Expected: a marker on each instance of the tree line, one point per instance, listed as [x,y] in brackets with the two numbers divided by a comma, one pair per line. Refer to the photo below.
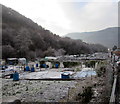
[21,37]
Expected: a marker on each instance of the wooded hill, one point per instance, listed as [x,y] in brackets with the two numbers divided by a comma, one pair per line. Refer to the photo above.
[21,37]
[107,37]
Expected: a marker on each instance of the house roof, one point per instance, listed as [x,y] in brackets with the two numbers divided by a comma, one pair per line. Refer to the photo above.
[117,52]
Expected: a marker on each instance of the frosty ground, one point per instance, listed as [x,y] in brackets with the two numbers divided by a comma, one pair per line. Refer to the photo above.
[46,91]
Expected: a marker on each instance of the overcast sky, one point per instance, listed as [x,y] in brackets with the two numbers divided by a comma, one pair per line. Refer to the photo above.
[66,16]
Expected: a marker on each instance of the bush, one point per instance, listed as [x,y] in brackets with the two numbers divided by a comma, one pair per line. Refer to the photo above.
[77,69]
[86,96]
[70,64]
[101,71]
[90,64]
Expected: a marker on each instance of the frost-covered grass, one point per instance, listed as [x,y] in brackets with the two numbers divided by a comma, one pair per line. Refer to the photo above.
[36,91]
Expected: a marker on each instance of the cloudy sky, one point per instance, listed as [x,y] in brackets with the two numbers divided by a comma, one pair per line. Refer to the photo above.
[66,16]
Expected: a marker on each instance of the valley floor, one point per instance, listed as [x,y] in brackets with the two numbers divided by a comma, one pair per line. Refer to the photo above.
[49,91]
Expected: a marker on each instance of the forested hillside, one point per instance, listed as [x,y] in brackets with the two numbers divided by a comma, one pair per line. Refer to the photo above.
[21,37]
[107,37]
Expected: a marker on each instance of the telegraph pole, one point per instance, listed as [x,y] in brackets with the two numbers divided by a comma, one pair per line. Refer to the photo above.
[118,25]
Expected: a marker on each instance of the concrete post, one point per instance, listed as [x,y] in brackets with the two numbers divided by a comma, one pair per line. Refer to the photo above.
[96,65]
[61,65]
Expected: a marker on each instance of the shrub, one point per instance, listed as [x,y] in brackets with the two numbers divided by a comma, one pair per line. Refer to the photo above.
[101,71]
[90,64]
[86,96]
[70,64]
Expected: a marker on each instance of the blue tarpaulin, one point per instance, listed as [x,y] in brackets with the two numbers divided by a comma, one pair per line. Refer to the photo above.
[65,75]
[56,65]
[27,68]
[32,69]
[16,76]
[36,65]
[44,66]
